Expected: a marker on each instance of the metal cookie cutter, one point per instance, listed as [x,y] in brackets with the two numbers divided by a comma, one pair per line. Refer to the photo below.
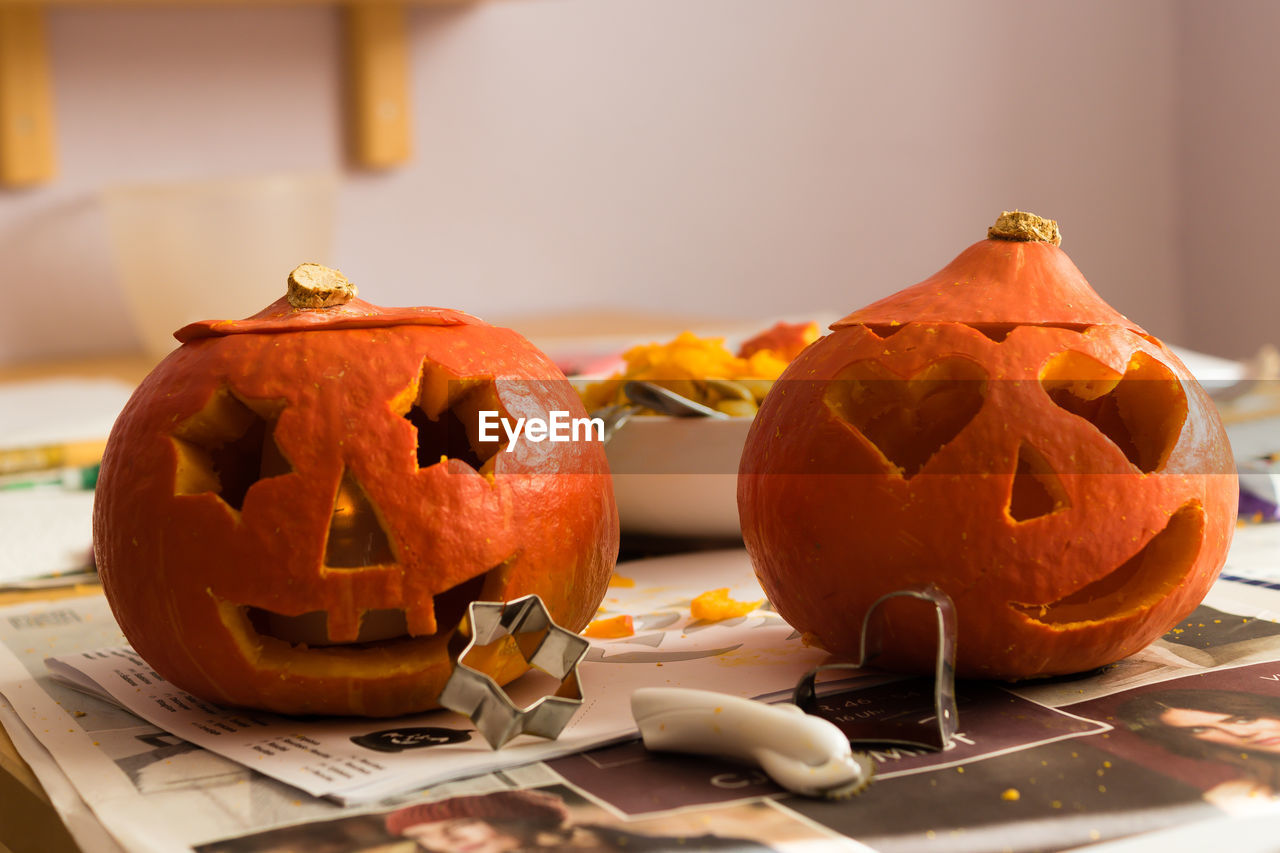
[526,624]
[944,687]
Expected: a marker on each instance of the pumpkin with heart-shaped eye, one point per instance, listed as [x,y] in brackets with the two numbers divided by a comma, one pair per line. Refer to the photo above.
[999,431]
[295,510]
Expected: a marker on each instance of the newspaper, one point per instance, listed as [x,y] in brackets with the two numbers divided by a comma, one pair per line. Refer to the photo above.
[124,766]
[1040,767]
[354,760]
[1049,765]
[125,771]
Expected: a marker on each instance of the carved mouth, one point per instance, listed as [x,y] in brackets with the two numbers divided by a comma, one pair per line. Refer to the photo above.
[302,644]
[357,661]
[1140,582]
[377,626]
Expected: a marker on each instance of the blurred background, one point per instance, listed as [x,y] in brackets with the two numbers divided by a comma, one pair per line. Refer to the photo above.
[713,159]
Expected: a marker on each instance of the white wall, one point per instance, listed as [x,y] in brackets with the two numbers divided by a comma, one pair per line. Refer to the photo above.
[721,157]
[1229,170]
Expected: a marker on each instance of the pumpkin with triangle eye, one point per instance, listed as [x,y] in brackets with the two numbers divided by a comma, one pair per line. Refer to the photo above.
[1000,431]
[296,509]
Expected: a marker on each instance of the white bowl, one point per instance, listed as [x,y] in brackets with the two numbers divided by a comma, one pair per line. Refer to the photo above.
[678,476]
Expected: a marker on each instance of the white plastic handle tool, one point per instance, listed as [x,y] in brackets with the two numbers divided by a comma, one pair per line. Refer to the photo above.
[801,752]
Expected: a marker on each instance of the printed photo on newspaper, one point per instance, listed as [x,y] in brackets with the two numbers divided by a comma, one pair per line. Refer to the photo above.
[551,817]
[1179,733]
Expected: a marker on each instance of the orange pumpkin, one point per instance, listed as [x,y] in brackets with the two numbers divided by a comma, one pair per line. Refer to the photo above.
[295,509]
[998,430]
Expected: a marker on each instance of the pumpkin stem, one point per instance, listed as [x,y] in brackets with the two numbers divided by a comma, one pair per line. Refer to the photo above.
[318,286]
[1020,226]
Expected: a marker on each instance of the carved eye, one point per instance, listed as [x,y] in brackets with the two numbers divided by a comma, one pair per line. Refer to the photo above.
[445,415]
[909,419]
[228,446]
[1141,411]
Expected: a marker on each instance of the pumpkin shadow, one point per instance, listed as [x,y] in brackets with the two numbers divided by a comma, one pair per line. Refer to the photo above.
[1061,679]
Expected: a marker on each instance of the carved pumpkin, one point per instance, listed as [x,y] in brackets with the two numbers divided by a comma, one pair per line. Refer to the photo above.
[1000,431]
[295,509]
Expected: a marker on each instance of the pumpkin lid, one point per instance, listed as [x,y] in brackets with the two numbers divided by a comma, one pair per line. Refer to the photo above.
[1017,276]
[322,298]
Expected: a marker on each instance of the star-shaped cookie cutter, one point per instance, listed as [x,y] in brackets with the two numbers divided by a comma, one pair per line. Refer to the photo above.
[543,644]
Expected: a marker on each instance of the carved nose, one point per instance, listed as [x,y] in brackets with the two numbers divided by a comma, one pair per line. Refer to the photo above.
[356,537]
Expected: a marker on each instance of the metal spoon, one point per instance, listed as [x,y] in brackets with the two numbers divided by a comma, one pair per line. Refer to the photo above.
[647,395]
[652,396]
[614,417]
